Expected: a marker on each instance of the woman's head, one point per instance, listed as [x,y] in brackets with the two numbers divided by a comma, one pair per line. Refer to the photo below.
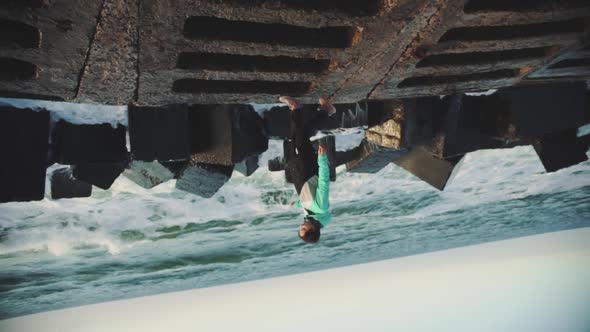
[309,231]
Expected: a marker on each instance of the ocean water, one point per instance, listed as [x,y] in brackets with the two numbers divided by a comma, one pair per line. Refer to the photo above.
[129,241]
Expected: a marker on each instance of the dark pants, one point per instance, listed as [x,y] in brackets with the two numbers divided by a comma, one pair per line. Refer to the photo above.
[302,162]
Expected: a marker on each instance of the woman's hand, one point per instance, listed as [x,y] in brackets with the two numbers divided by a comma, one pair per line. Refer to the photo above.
[321,150]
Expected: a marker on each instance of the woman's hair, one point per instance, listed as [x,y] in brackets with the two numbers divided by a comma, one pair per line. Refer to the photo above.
[312,234]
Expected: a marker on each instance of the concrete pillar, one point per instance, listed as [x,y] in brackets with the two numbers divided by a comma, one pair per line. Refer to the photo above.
[159,133]
[24,136]
[276,164]
[473,123]
[387,124]
[560,150]
[226,134]
[458,124]
[277,122]
[540,109]
[383,141]
[83,144]
[102,175]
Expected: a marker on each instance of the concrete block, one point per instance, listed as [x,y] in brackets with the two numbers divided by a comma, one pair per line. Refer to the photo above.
[65,185]
[561,150]
[159,133]
[147,174]
[24,136]
[430,169]
[176,167]
[204,179]
[248,166]
[488,116]
[211,136]
[424,118]
[540,109]
[277,122]
[379,111]
[472,123]
[226,134]
[387,129]
[249,137]
[83,144]
[372,158]
[101,175]
[459,124]
[277,164]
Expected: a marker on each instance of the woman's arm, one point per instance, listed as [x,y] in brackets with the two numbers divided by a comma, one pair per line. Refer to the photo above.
[322,198]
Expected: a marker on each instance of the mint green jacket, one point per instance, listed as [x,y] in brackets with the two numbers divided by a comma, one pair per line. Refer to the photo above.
[321,198]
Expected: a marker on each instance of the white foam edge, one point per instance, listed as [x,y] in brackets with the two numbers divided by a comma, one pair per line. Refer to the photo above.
[73,112]
[263,108]
[584,130]
[482,93]
[346,138]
